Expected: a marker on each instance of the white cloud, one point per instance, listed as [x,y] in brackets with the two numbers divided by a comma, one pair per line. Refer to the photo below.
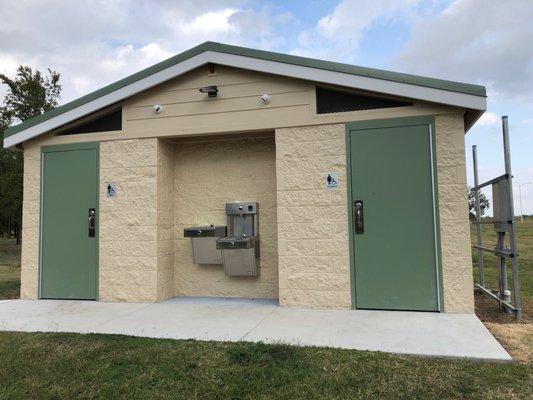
[476,41]
[117,61]
[8,64]
[488,43]
[152,51]
[489,120]
[523,177]
[97,42]
[80,83]
[337,35]
[211,22]
[129,58]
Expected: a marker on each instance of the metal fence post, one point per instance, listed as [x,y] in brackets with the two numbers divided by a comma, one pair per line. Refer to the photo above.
[478,219]
[512,223]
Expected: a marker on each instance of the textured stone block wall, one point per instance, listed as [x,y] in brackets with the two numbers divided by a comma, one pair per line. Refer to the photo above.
[129,222]
[164,187]
[29,274]
[314,266]
[207,176]
[453,207]
[165,220]
[314,258]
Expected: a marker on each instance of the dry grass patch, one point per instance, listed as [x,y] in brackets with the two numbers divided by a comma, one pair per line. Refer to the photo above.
[515,336]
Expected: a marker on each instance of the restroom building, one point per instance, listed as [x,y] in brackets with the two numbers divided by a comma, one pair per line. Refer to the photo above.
[356,178]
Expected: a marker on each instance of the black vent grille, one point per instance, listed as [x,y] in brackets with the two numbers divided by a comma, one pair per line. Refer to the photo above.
[335,101]
[109,122]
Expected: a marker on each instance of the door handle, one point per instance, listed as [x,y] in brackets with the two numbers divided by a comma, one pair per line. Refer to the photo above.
[359,217]
[92,222]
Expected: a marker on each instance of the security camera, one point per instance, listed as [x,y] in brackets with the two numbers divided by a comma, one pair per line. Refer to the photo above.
[211,91]
[158,108]
[265,98]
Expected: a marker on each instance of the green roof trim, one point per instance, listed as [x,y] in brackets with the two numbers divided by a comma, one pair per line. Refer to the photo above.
[434,83]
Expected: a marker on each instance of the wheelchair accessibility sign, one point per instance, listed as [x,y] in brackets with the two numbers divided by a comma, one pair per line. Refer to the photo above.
[332,180]
[111,190]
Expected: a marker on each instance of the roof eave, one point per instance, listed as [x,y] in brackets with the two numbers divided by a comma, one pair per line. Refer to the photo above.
[274,63]
[471,117]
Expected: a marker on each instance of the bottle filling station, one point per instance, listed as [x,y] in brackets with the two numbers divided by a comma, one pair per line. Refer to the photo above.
[236,246]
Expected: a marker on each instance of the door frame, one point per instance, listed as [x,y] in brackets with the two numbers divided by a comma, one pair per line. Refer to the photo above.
[71,147]
[428,121]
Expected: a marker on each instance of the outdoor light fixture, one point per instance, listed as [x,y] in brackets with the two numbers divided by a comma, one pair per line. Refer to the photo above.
[211,91]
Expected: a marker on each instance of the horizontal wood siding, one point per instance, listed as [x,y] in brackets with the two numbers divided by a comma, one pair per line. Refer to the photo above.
[237,104]
[236,109]
[231,91]
[220,105]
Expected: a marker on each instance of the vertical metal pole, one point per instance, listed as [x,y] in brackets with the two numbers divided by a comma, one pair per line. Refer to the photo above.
[512,224]
[478,219]
[504,287]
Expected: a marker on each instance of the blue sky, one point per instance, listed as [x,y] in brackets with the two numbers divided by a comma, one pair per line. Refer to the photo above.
[486,42]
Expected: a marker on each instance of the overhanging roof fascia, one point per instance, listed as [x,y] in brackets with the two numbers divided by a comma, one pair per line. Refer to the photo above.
[471,97]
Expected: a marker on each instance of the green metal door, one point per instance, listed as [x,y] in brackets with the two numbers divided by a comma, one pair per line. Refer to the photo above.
[69,245]
[395,239]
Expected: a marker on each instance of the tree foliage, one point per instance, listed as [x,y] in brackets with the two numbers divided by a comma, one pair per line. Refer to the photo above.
[484,204]
[28,95]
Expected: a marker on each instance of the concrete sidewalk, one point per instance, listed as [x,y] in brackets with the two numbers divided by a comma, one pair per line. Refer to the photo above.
[417,333]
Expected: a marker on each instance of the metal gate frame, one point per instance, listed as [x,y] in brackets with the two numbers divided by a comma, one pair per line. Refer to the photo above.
[504,296]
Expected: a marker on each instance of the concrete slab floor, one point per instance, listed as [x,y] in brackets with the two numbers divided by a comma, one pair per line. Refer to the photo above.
[415,333]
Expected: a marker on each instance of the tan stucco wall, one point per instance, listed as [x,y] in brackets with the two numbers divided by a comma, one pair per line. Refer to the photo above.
[136,227]
[128,223]
[29,273]
[163,187]
[207,176]
[165,220]
[453,206]
[167,185]
[312,221]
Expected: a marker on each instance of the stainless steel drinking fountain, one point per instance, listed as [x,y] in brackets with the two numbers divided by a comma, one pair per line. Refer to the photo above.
[204,247]
[240,249]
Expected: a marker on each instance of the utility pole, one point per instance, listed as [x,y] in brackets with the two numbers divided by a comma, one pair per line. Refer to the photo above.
[520,197]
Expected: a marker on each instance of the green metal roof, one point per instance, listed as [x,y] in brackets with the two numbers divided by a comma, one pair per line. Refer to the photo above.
[259,54]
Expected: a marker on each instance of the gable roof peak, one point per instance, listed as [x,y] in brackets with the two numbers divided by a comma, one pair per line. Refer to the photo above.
[412,86]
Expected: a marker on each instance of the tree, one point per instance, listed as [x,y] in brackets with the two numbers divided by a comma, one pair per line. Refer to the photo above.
[484,204]
[29,94]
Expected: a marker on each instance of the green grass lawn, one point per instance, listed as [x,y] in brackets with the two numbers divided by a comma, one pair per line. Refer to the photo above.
[72,366]
[68,366]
